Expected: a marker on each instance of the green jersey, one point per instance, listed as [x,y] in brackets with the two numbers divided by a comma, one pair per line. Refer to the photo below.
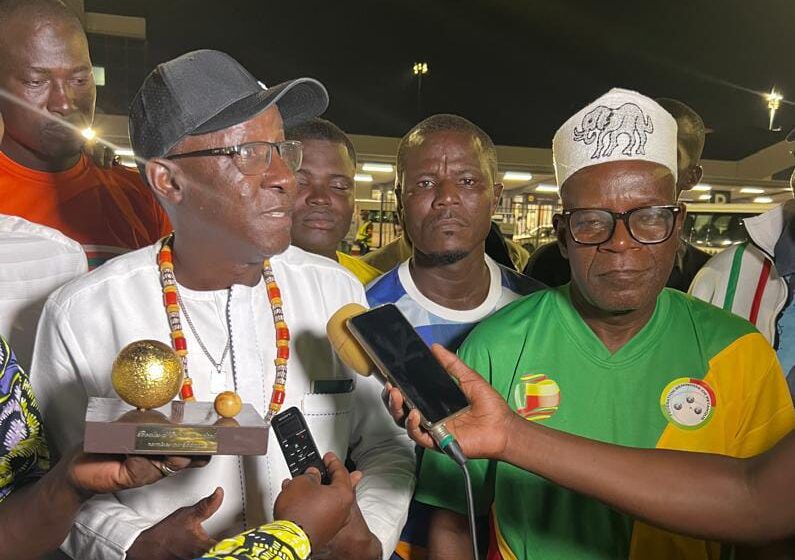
[694,378]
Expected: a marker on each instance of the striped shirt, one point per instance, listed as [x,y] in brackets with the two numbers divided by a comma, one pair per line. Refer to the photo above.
[438,324]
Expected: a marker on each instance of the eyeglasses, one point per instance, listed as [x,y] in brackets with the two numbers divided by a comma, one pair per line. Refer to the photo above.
[254,158]
[648,225]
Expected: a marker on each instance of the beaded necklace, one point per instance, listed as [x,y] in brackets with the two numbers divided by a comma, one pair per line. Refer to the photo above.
[171,298]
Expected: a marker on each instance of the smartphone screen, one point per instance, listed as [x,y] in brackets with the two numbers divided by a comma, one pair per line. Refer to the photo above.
[394,345]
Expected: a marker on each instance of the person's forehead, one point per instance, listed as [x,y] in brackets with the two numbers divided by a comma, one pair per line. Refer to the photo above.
[328,153]
[449,139]
[451,145]
[44,43]
[267,126]
[623,179]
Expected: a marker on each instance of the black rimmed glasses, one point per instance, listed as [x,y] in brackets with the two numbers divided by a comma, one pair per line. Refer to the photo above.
[254,158]
[648,225]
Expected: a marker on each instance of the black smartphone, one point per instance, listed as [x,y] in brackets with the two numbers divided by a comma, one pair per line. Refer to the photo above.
[297,444]
[406,362]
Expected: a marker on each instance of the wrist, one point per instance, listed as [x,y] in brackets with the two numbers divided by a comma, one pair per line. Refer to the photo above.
[365,546]
[59,491]
[372,545]
[515,428]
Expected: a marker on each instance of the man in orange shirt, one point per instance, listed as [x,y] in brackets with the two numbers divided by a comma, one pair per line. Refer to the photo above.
[47,96]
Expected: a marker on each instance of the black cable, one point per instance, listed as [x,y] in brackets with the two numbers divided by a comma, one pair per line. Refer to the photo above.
[453,450]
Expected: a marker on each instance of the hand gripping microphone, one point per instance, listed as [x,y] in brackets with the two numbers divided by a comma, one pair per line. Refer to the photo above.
[387,324]
[405,364]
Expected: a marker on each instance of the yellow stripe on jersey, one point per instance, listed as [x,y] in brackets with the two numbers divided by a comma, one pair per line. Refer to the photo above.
[505,551]
[751,413]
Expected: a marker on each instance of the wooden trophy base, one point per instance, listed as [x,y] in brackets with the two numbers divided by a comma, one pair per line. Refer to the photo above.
[178,428]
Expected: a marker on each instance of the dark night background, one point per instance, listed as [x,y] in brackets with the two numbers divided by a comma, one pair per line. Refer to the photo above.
[518,69]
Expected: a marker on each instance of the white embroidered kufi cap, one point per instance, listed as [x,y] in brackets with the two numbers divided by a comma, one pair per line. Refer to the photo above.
[622,125]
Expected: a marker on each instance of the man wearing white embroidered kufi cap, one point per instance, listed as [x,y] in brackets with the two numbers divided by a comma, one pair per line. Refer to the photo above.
[617,154]
[621,125]
[613,355]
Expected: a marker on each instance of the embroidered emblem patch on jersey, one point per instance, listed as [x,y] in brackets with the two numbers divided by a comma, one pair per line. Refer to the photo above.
[688,403]
[536,396]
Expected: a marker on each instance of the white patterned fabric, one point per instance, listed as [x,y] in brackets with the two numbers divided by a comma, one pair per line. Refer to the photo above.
[622,125]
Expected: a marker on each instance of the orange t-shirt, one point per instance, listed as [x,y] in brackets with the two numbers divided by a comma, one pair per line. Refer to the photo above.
[108,211]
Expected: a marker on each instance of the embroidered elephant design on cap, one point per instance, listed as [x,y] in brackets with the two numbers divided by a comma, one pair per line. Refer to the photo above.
[606,125]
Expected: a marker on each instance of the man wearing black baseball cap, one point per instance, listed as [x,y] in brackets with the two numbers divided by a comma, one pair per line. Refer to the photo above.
[247,313]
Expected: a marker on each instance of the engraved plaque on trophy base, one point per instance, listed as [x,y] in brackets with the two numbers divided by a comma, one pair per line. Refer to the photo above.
[179,428]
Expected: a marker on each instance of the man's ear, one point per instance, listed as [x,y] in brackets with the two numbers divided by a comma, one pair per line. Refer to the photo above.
[694,175]
[162,176]
[498,188]
[560,233]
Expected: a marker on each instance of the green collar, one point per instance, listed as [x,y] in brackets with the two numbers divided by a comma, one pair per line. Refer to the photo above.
[591,346]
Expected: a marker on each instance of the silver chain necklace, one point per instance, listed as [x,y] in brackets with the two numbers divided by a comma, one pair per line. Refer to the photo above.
[220,363]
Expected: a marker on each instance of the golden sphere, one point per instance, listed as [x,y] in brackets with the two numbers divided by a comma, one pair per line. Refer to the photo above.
[228,404]
[147,374]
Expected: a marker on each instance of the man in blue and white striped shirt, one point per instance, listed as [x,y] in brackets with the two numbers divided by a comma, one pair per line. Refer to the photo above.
[447,189]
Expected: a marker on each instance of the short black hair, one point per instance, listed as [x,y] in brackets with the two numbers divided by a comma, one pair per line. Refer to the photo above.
[690,127]
[446,123]
[321,129]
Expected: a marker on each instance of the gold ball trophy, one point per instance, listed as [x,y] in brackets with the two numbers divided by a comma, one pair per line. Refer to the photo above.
[147,376]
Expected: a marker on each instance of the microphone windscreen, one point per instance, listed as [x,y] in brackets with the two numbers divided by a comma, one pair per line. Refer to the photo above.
[347,347]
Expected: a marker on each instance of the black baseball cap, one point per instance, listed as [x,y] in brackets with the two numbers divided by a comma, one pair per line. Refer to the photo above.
[206,90]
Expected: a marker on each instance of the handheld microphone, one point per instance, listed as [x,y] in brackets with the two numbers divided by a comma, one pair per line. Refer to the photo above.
[348,348]
[353,355]
[382,340]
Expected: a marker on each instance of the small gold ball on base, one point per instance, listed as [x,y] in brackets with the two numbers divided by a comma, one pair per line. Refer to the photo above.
[228,404]
[147,374]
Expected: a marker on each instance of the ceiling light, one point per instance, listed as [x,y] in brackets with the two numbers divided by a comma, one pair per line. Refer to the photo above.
[702,188]
[363,178]
[547,188]
[774,99]
[378,167]
[124,152]
[517,176]
[763,200]
[752,190]
[705,197]
[88,133]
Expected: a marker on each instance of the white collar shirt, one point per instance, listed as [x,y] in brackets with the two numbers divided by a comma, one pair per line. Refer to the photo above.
[86,323]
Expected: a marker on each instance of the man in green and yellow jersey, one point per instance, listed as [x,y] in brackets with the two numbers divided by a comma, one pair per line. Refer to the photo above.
[613,355]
